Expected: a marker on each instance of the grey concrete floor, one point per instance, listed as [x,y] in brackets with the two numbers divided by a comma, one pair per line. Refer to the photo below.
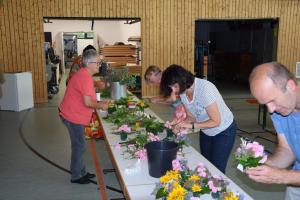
[24,175]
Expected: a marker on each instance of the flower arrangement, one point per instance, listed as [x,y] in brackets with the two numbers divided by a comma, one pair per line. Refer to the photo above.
[135,147]
[142,105]
[145,126]
[181,137]
[123,131]
[153,126]
[121,75]
[187,184]
[249,154]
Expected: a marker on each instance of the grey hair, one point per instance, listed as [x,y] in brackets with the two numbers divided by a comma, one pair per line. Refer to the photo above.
[87,56]
[280,75]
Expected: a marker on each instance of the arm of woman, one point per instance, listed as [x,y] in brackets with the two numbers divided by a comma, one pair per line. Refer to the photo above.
[94,104]
[214,119]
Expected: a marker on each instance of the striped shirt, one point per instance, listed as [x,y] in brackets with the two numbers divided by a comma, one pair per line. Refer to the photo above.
[206,93]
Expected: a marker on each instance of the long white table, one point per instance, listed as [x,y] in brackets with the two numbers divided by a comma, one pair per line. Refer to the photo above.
[138,185]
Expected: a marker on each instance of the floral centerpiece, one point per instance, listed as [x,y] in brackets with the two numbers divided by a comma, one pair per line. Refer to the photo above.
[189,184]
[180,137]
[135,147]
[119,80]
[123,131]
[249,154]
[121,75]
[152,125]
[142,105]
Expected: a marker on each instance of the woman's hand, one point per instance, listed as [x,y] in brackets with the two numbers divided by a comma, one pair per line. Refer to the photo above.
[185,124]
[103,105]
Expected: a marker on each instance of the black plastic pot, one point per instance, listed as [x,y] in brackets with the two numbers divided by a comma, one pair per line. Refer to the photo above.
[160,156]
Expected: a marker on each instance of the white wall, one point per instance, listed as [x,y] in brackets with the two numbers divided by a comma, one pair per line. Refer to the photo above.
[108,30]
[105,32]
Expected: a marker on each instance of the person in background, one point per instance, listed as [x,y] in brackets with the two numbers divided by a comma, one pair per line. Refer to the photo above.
[152,76]
[76,111]
[77,64]
[275,86]
[206,111]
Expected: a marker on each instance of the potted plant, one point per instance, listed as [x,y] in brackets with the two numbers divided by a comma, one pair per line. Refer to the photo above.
[119,80]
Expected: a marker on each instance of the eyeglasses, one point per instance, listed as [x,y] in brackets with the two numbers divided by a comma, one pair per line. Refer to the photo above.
[98,63]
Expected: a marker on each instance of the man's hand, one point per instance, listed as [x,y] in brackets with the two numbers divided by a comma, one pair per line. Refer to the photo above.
[266,174]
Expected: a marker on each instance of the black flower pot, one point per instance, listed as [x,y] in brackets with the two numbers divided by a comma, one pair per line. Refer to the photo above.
[160,155]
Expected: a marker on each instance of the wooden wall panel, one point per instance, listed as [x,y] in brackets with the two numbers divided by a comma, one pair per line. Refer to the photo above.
[167,28]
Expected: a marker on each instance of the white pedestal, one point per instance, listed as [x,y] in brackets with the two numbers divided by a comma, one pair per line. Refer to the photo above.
[17,91]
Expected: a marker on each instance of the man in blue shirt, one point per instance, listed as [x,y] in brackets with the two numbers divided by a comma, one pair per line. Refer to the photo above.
[275,86]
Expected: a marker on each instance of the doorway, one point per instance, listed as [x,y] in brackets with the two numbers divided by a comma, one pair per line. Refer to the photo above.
[69,36]
[227,50]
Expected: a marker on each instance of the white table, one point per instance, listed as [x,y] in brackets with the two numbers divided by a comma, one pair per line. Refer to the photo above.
[139,184]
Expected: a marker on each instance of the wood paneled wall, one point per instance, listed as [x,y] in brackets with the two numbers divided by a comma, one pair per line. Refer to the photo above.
[167,29]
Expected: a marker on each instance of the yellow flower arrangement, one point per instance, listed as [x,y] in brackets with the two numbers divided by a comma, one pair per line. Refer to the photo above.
[231,196]
[183,183]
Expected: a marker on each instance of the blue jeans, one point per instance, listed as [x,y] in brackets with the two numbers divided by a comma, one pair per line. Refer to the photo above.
[217,148]
[78,145]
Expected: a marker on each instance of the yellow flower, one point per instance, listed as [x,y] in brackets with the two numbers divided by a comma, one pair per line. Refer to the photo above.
[194,178]
[177,193]
[110,104]
[196,188]
[164,179]
[170,175]
[142,103]
[176,185]
[231,196]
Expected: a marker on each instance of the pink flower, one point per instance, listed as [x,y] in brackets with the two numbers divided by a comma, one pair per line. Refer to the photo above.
[117,146]
[131,147]
[255,148]
[238,151]
[141,154]
[153,137]
[218,177]
[212,187]
[201,170]
[180,114]
[264,159]
[124,128]
[168,125]
[176,165]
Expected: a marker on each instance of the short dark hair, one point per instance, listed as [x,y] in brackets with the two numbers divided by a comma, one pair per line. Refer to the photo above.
[88,47]
[175,74]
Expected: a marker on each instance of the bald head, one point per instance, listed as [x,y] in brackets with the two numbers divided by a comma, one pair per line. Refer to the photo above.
[274,71]
[273,85]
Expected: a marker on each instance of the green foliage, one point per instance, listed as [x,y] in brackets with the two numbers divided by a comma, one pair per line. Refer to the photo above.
[153,126]
[160,193]
[121,75]
[105,93]
[129,80]
[122,101]
[249,161]
[121,116]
